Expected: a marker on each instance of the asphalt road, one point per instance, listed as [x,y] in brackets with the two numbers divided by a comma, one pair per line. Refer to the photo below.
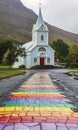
[68,85]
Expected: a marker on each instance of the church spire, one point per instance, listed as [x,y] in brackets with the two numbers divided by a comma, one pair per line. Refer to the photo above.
[40,20]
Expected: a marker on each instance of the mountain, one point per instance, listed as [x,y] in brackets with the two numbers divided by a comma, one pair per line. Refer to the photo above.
[16,23]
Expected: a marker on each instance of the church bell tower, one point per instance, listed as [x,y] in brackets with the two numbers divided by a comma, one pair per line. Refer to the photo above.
[40,31]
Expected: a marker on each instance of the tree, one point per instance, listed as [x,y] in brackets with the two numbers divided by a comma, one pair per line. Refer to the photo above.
[4,46]
[11,55]
[72,58]
[21,51]
[61,49]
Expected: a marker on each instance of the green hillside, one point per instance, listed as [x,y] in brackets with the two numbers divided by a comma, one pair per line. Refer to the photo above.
[16,23]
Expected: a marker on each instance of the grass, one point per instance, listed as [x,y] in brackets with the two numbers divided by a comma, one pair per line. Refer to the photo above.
[74,69]
[5,67]
[10,73]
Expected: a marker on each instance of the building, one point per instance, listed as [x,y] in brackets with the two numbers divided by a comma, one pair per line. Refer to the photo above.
[38,52]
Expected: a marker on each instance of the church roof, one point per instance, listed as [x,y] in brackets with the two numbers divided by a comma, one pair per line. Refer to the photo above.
[29,46]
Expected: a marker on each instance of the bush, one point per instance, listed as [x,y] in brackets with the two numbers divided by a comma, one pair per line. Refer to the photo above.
[74,65]
[22,67]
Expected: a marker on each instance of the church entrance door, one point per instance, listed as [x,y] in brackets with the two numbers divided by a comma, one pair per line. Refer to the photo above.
[41,61]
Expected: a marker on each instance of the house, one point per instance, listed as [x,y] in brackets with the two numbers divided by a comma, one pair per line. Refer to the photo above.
[38,51]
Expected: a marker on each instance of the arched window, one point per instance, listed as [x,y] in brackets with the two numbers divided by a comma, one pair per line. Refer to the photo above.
[42,55]
[41,49]
[35,59]
[48,60]
[42,37]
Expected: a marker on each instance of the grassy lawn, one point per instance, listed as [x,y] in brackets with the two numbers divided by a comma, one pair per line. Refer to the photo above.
[5,67]
[74,69]
[5,73]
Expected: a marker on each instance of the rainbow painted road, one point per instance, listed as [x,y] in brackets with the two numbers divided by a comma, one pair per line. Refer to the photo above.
[38,100]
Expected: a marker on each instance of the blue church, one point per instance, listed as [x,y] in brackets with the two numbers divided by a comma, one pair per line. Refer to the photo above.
[38,51]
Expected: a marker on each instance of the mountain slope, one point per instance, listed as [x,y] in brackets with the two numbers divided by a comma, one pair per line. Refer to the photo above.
[16,23]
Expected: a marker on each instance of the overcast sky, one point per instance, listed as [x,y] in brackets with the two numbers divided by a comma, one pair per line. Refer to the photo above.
[60,13]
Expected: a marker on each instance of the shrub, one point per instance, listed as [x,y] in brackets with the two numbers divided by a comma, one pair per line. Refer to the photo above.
[22,67]
[74,65]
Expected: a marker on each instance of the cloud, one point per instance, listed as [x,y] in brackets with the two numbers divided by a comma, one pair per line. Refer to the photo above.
[59,13]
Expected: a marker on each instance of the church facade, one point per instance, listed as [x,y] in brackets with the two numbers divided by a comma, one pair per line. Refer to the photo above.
[38,52]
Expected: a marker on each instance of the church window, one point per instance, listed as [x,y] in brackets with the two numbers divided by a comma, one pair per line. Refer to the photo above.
[48,60]
[41,49]
[35,59]
[42,37]
[42,55]
[42,28]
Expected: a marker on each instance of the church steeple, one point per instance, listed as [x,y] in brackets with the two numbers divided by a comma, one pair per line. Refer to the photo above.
[40,31]
[40,20]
